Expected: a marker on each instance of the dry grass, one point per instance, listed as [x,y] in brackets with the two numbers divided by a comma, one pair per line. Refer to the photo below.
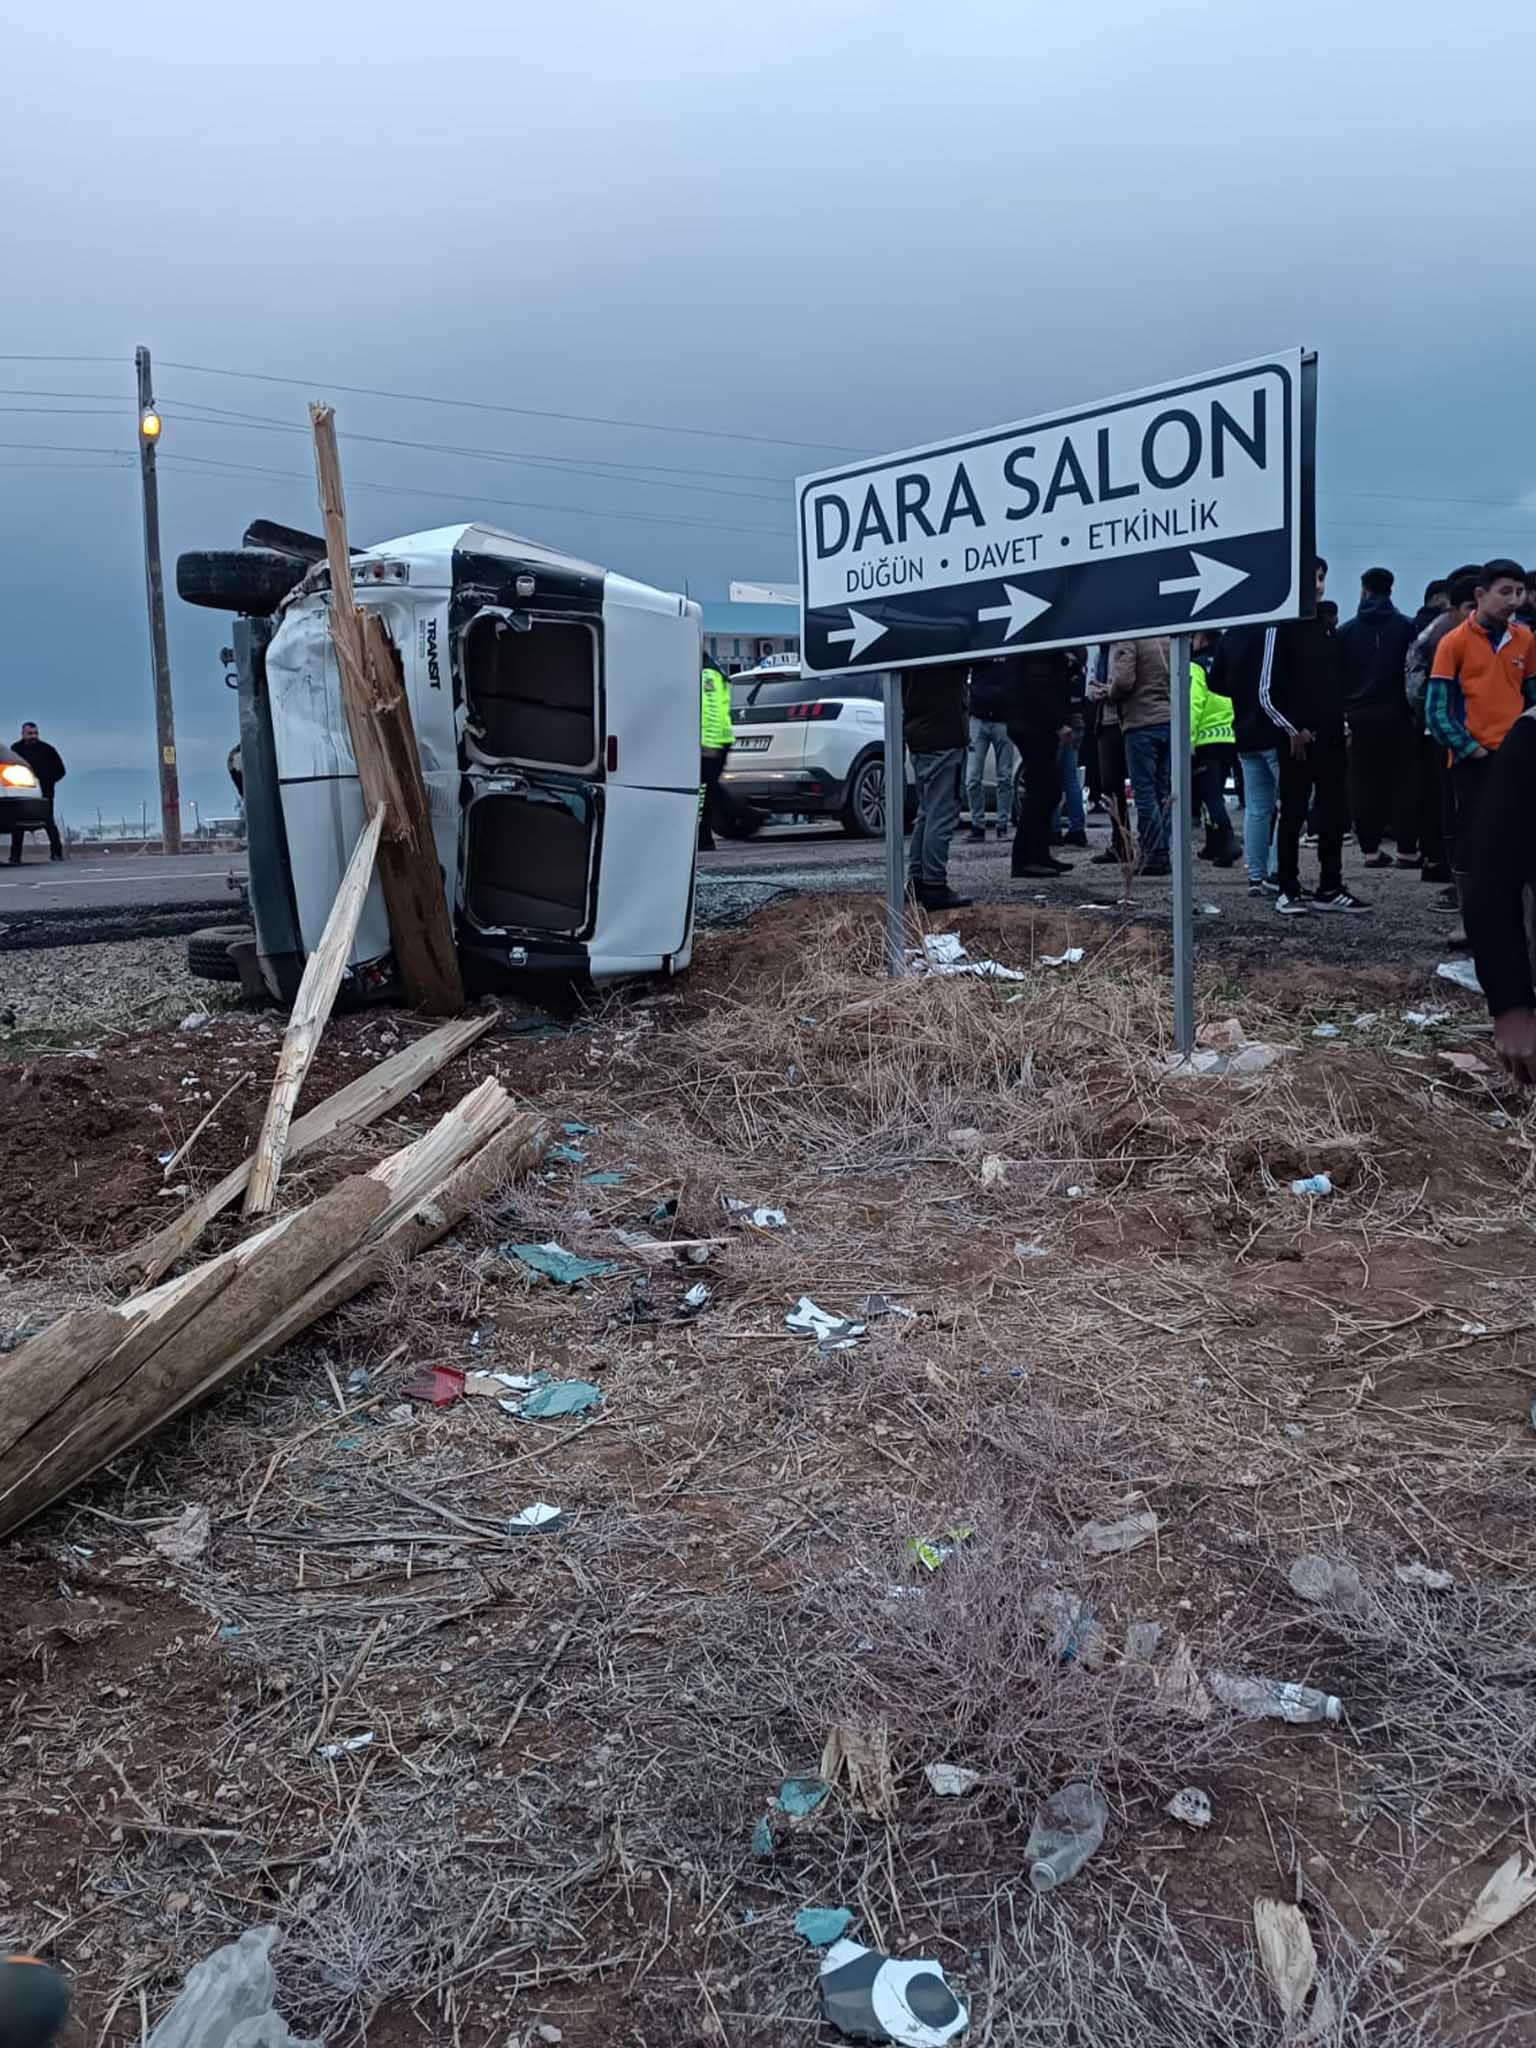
[574,1735]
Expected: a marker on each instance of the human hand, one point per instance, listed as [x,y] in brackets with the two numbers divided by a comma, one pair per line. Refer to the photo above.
[1514,1039]
[1478,754]
[1300,741]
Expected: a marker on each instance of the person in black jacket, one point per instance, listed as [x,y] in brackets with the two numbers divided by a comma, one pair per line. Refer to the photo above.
[1498,873]
[934,710]
[47,764]
[1039,714]
[1304,696]
[1383,764]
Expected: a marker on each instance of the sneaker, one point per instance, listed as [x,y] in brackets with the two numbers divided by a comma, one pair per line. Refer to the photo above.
[1263,888]
[1339,899]
[1291,906]
[1107,859]
[1434,871]
[1038,871]
[1005,831]
[1377,860]
[1076,839]
[976,834]
[1158,867]
[943,899]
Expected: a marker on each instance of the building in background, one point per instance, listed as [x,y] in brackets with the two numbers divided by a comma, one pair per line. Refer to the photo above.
[745,629]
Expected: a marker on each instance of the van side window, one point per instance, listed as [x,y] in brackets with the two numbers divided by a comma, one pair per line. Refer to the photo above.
[532,694]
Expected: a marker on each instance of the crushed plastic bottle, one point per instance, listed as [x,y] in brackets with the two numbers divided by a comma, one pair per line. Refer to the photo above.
[1067,1830]
[1271,1699]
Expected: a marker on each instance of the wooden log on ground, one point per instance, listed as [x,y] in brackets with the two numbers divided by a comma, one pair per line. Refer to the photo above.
[311,1006]
[351,1108]
[79,1394]
[384,748]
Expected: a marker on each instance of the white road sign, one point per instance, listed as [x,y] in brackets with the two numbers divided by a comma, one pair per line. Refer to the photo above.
[1184,506]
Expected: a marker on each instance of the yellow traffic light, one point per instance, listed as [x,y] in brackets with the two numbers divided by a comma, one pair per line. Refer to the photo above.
[149,426]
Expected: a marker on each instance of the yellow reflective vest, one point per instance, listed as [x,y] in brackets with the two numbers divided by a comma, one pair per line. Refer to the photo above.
[1210,715]
[714,709]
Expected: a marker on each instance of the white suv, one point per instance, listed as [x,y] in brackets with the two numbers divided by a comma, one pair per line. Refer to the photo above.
[809,748]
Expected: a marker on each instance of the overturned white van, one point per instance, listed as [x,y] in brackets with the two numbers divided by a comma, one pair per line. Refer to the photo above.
[556,711]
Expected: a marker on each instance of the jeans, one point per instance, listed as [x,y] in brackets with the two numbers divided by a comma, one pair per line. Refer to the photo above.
[1261,785]
[1071,812]
[1149,756]
[1040,754]
[985,733]
[938,811]
[1321,772]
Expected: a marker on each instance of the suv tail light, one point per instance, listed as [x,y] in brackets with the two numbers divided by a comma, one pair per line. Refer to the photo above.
[817,710]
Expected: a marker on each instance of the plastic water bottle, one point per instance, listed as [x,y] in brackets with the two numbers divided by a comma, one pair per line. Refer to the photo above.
[1269,1699]
[1069,1827]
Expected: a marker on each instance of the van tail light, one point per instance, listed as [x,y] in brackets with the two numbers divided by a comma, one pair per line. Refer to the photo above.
[613,753]
[816,710]
[13,775]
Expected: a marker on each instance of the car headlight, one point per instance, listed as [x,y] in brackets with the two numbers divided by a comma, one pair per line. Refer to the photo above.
[16,775]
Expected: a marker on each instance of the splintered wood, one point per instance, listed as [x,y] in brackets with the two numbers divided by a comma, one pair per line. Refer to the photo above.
[98,1380]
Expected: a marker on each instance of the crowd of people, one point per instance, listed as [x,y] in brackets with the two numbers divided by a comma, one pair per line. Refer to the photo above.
[1384,725]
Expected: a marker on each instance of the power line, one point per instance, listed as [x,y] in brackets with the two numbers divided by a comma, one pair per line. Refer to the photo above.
[226,468]
[522,411]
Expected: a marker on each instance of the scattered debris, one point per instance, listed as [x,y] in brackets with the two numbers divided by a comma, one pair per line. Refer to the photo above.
[1463,973]
[1316,1579]
[1068,1829]
[757,1218]
[1423,1576]
[230,1996]
[1072,957]
[832,1333]
[1327,1030]
[694,1302]
[994,1170]
[1313,1184]
[874,1305]
[559,1397]
[346,1746]
[762,1837]
[1023,1248]
[800,1797]
[931,1554]
[184,1540]
[1191,1806]
[1465,1062]
[576,1129]
[1290,1963]
[942,953]
[1272,1699]
[1223,1049]
[863,1760]
[822,1925]
[1425,1020]
[1508,1892]
[494,1386]
[951,1781]
[540,1516]
[1075,1635]
[1210,910]
[1108,1539]
[1366,1021]
[437,1386]
[611,1177]
[868,1996]
[1141,1641]
[553,1262]
[1179,1689]
[567,1155]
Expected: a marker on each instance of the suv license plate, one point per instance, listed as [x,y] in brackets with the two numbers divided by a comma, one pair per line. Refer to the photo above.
[759,743]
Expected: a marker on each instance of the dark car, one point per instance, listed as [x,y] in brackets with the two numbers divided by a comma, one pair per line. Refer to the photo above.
[23,808]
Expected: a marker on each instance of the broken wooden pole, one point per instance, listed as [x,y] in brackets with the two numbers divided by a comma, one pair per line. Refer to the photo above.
[378,717]
[311,1006]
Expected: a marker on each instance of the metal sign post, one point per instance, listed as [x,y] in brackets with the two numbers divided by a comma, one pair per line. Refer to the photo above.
[895,829]
[1180,823]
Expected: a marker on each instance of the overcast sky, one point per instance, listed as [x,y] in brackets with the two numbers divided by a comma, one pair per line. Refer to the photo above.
[831,224]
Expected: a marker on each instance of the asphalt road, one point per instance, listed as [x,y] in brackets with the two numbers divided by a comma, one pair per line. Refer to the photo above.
[116,880]
[1406,924]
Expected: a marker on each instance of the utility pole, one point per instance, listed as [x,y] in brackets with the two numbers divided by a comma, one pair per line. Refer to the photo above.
[154,585]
